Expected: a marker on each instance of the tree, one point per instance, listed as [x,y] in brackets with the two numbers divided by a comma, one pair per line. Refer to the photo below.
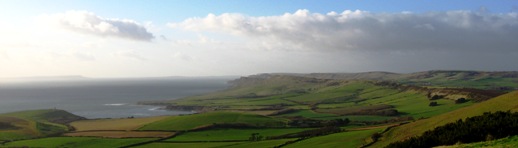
[255,137]
[460,100]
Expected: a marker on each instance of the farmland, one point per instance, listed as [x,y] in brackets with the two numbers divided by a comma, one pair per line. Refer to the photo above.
[233,134]
[178,123]
[273,110]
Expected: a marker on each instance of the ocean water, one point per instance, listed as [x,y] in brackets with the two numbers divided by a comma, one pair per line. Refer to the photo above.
[104,98]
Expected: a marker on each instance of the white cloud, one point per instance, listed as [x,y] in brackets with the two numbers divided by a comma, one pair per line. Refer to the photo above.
[365,31]
[89,23]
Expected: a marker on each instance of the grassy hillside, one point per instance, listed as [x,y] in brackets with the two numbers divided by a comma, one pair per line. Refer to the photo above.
[76,142]
[505,80]
[471,79]
[500,143]
[501,103]
[179,123]
[47,115]
[35,123]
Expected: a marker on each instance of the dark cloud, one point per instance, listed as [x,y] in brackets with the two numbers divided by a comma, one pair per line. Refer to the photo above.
[366,31]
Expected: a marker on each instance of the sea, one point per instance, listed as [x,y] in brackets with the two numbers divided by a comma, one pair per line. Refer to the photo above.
[104,98]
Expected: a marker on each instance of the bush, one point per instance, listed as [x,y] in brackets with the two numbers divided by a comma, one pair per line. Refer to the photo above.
[433,104]
[435,97]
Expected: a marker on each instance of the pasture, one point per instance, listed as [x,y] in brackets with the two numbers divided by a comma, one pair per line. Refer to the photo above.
[188,122]
[233,134]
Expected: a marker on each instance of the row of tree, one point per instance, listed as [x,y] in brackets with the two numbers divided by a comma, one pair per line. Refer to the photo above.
[488,126]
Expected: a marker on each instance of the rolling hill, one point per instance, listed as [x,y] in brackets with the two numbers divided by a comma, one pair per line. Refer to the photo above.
[505,102]
[286,109]
[504,80]
[272,94]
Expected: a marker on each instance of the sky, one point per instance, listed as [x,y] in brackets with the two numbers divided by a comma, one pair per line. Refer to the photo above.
[130,38]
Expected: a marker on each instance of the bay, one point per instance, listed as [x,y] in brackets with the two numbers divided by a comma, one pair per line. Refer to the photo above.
[104,98]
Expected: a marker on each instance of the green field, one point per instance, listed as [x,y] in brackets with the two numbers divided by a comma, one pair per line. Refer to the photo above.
[76,142]
[333,94]
[345,139]
[233,134]
[178,123]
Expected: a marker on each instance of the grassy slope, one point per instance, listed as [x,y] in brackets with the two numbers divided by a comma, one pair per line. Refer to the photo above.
[24,128]
[440,78]
[188,122]
[275,85]
[35,123]
[332,94]
[471,79]
[502,103]
[76,142]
